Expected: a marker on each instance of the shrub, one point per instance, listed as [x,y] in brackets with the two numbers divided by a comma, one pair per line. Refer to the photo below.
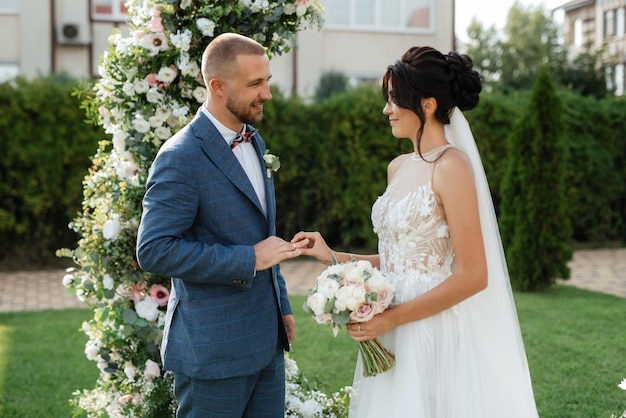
[331,82]
[534,223]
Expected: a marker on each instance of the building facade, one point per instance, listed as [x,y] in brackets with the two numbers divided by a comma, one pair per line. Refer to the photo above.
[599,23]
[359,38]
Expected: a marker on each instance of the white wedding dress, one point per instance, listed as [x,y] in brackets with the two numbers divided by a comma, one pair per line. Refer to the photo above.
[462,362]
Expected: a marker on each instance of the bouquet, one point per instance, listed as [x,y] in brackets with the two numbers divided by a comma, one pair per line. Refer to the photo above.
[353,292]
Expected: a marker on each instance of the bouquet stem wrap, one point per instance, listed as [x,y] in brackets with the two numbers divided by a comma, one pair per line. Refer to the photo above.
[376,358]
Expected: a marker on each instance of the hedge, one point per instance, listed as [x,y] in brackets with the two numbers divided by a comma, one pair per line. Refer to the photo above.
[334,156]
[45,151]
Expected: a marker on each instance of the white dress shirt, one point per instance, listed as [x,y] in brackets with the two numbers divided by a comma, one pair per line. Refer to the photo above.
[246,155]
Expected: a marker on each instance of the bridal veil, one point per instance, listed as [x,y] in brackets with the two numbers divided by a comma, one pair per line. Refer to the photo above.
[499,332]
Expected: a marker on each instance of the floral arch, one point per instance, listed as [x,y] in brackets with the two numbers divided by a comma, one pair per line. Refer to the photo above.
[150,87]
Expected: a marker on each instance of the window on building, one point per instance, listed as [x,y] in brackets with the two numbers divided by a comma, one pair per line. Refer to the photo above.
[8,70]
[578,32]
[9,6]
[608,77]
[357,80]
[619,80]
[109,10]
[619,22]
[609,26]
[381,15]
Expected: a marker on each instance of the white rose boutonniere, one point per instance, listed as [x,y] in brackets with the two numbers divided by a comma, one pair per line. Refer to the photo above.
[272,163]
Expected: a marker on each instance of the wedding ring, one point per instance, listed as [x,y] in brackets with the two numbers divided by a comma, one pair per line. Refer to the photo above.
[295,247]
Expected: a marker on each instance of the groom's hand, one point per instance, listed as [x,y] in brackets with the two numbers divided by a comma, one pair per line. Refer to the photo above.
[290,327]
[273,250]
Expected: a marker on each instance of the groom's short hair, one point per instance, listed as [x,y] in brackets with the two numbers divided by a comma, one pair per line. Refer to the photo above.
[219,59]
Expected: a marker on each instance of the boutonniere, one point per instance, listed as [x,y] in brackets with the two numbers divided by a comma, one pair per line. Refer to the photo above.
[272,163]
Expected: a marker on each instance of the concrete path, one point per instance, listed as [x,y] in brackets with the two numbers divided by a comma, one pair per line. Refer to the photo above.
[597,270]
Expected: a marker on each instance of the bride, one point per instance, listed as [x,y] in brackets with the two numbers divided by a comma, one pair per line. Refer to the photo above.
[453,327]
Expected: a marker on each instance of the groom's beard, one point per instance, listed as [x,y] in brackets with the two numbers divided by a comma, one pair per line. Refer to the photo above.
[245,112]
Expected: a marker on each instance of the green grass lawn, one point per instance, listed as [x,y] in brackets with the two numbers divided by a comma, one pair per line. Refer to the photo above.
[575,341]
[576,346]
[42,362]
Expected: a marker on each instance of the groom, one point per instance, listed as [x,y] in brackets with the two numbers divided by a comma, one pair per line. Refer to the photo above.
[209,223]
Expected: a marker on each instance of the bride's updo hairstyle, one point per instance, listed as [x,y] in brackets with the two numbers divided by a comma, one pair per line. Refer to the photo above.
[423,72]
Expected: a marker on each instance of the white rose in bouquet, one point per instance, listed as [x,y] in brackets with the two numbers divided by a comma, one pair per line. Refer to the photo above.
[317,303]
[328,288]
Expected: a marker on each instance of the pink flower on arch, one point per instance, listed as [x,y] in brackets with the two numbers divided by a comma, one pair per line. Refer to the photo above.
[155,24]
[152,79]
[152,370]
[302,6]
[159,294]
[135,291]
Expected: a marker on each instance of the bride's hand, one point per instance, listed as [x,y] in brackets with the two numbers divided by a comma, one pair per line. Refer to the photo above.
[363,331]
[316,246]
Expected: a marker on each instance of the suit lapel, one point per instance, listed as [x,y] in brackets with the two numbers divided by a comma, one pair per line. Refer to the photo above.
[216,149]
[270,203]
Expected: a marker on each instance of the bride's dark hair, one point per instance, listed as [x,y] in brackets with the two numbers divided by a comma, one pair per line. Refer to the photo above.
[424,72]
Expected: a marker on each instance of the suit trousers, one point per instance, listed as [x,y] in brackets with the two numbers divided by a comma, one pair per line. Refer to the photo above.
[258,395]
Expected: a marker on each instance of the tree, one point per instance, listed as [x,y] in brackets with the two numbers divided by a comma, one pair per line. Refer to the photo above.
[150,87]
[331,82]
[534,223]
[485,48]
[531,40]
[586,73]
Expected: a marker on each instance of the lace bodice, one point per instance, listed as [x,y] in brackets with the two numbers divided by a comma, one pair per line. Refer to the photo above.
[413,239]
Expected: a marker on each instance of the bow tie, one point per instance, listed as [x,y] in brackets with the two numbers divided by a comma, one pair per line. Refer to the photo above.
[244,137]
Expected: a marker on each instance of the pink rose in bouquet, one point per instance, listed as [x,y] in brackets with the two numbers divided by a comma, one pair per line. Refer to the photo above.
[364,312]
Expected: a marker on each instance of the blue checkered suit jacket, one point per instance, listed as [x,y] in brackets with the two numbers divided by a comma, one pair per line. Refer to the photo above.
[201,218]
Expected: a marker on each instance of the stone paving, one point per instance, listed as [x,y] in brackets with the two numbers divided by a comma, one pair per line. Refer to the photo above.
[597,270]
